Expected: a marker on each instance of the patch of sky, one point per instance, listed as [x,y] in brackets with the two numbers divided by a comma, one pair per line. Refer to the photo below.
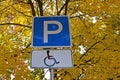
[82,49]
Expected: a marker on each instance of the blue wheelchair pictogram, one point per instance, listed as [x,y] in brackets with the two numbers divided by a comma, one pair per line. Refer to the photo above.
[49,60]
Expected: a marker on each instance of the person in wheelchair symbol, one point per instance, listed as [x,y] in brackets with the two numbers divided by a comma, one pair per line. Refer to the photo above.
[50,60]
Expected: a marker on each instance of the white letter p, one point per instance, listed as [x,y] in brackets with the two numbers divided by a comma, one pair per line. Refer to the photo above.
[46,32]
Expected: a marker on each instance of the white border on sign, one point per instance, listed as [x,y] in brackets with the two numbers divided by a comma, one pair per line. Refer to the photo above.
[51,46]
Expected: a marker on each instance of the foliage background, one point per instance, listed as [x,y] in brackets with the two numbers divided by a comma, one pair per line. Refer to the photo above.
[95,31]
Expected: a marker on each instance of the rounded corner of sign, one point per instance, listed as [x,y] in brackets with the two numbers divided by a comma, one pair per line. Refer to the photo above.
[32,44]
[71,66]
[31,67]
[32,51]
[35,17]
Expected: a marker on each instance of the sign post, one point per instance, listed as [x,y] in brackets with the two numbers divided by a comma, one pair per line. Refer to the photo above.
[51,32]
[51,74]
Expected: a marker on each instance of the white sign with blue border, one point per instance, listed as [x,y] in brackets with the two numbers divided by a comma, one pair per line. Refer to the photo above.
[52,31]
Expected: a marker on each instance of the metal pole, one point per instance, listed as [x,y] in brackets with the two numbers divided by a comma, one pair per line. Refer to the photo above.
[51,74]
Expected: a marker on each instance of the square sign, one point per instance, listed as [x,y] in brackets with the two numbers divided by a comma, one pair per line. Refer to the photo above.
[51,32]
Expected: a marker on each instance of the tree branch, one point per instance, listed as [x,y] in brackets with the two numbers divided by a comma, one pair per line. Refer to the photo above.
[16,24]
[32,8]
[92,46]
[81,19]
[58,13]
[20,11]
[57,6]
[90,49]
[40,5]
[66,7]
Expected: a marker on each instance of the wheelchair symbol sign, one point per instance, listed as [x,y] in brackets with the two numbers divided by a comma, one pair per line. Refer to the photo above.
[51,59]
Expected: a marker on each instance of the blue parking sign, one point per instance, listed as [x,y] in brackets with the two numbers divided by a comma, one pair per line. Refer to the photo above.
[51,32]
